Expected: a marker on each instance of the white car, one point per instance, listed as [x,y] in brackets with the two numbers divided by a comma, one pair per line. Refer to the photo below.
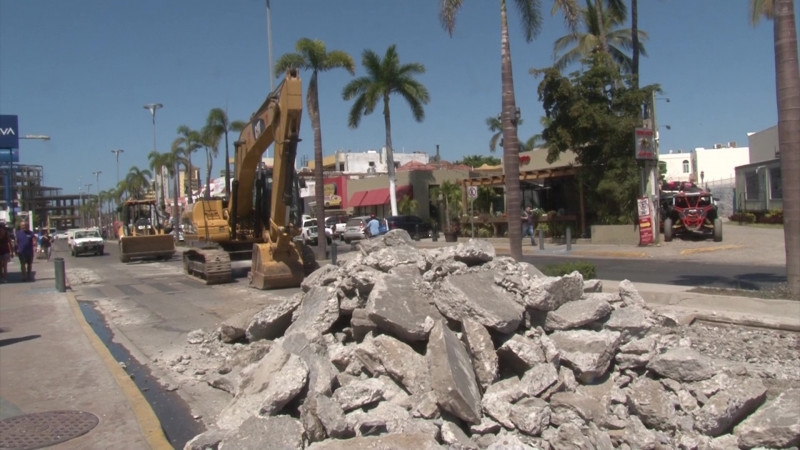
[86,241]
[309,233]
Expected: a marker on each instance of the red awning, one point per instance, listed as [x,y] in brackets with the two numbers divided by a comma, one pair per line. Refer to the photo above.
[379,196]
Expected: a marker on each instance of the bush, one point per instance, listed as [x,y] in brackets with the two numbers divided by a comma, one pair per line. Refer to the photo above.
[586,269]
[744,217]
[775,216]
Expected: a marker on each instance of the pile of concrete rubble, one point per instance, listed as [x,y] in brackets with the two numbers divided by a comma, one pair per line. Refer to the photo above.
[397,347]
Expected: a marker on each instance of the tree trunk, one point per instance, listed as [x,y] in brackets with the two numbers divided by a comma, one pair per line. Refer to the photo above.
[175,211]
[787,81]
[601,26]
[635,40]
[189,171]
[209,163]
[510,143]
[312,100]
[390,155]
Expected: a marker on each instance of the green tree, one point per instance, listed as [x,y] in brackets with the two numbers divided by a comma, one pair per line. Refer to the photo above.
[531,24]
[407,205]
[312,55]
[218,125]
[576,46]
[479,160]
[190,142]
[159,161]
[386,77]
[450,194]
[594,114]
[176,158]
[209,139]
[787,87]
[137,182]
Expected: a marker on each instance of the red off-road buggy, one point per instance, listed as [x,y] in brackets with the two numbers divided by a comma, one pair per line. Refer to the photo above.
[688,210]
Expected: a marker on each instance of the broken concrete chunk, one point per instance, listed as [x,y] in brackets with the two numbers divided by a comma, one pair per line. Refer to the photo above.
[682,364]
[452,376]
[547,294]
[588,353]
[398,306]
[272,321]
[774,425]
[266,432]
[359,393]
[577,313]
[481,348]
[476,296]
[727,408]
[648,400]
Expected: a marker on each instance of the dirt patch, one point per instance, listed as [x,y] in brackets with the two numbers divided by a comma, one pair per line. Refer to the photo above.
[779,292]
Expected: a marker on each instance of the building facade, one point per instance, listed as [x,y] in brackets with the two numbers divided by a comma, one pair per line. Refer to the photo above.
[758,183]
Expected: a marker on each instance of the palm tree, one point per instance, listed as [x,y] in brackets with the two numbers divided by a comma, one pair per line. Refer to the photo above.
[176,159]
[190,141]
[787,86]
[209,139]
[217,123]
[137,181]
[407,205]
[576,46]
[531,23]
[158,162]
[385,77]
[635,42]
[312,55]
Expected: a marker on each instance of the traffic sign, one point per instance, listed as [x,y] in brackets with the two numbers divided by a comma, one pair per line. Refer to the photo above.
[472,192]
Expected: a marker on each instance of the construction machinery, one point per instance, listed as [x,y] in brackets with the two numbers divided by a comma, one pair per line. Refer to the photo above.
[263,214]
[141,234]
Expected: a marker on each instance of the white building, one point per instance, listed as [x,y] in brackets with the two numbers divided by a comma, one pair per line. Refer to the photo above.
[373,161]
[758,183]
[679,165]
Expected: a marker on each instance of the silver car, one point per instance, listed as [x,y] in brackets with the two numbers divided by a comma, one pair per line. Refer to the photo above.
[354,231]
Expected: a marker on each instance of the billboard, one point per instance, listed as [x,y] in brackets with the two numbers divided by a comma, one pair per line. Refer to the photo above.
[9,155]
[9,131]
[645,144]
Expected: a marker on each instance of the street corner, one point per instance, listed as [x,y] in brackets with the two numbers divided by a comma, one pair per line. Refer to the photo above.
[716,248]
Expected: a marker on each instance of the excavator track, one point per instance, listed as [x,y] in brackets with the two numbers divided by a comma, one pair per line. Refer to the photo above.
[213,266]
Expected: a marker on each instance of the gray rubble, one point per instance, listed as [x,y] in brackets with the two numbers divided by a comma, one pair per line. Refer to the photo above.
[397,347]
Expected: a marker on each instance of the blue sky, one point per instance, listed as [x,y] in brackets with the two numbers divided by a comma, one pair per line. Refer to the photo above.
[81,71]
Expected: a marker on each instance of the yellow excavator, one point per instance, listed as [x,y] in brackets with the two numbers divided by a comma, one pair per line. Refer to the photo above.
[262,216]
[141,236]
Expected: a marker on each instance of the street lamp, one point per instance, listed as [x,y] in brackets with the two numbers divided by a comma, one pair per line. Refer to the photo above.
[152,107]
[116,153]
[88,194]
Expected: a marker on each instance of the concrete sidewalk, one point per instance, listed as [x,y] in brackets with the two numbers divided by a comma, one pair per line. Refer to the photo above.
[51,360]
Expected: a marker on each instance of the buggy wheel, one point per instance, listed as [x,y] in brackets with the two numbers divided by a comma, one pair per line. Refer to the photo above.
[667,229]
[717,230]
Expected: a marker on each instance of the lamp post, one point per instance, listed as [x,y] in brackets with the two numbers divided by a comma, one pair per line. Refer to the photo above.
[88,194]
[116,153]
[152,107]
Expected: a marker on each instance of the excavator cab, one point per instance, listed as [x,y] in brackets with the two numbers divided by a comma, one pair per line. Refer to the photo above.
[141,235]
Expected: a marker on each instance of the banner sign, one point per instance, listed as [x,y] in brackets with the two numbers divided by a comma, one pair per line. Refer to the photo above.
[645,144]
[645,221]
[8,155]
[9,131]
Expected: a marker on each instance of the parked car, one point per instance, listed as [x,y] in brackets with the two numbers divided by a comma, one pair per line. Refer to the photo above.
[414,225]
[309,232]
[337,225]
[354,230]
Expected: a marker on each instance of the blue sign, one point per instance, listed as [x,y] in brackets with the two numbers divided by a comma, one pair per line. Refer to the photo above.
[9,155]
[9,132]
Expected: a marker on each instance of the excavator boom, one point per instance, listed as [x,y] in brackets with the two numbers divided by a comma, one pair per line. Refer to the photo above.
[256,219]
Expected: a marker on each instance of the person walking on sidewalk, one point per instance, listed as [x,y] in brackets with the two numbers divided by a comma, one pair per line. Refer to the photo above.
[46,243]
[5,252]
[26,241]
[529,224]
[373,226]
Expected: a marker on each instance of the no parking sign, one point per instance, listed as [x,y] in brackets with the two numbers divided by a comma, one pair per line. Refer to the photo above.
[472,192]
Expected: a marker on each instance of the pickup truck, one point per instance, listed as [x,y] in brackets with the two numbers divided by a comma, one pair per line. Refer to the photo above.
[86,240]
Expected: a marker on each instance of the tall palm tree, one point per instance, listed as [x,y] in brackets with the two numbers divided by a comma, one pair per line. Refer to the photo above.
[600,24]
[787,87]
[190,140]
[635,42]
[176,158]
[312,55]
[209,139]
[531,24]
[137,181]
[385,77]
[217,122]
[158,162]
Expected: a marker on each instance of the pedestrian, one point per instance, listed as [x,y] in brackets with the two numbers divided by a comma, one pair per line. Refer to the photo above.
[46,243]
[5,252]
[26,241]
[373,226]
[529,224]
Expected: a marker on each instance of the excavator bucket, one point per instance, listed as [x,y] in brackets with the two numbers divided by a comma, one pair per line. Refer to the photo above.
[161,246]
[276,266]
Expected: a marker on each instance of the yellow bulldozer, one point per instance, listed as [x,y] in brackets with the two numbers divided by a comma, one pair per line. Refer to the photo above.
[141,235]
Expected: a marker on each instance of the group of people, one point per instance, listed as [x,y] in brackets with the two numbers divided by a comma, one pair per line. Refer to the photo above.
[24,243]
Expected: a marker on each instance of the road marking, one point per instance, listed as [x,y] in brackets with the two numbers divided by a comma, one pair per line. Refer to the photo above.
[690,251]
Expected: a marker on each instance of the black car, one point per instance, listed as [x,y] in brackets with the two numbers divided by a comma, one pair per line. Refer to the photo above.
[415,226]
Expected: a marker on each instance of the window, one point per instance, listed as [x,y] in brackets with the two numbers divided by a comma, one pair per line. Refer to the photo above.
[775,186]
[685,166]
[751,186]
